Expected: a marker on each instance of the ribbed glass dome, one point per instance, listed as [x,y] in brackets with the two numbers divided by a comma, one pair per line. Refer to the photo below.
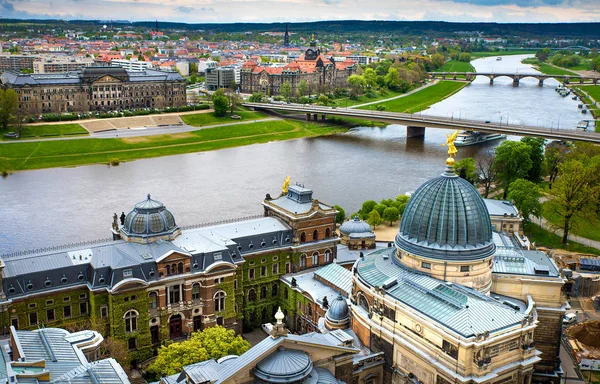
[149,218]
[338,312]
[284,366]
[447,219]
[355,225]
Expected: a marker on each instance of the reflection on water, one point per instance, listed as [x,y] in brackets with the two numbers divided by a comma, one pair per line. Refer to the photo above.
[56,206]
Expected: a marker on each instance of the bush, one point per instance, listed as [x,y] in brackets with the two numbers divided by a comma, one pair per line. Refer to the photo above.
[115,161]
[57,117]
[380,107]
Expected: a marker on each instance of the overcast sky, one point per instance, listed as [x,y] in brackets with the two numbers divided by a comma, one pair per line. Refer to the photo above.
[198,11]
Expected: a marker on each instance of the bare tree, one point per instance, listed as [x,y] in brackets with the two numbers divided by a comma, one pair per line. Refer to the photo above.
[487,171]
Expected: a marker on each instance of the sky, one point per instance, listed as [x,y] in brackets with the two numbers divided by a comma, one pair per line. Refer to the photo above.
[225,11]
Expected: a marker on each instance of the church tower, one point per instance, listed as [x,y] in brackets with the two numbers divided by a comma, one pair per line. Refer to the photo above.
[286,37]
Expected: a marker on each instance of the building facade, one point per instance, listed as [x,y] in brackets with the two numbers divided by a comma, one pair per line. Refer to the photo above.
[95,89]
[320,73]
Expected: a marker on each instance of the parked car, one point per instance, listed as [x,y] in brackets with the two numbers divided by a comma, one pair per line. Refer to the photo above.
[11,135]
[570,318]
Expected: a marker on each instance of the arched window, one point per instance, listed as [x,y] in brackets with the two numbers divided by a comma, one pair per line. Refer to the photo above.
[180,268]
[274,290]
[153,300]
[315,235]
[168,270]
[219,301]
[302,237]
[263,293]
[315,258]
[196,291]
[251,295]
[131,318]
[362,301]
[174,268]
[327,233]
[303,261]
[327,256]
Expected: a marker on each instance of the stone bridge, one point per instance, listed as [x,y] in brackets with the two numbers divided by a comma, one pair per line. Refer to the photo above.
[516,77]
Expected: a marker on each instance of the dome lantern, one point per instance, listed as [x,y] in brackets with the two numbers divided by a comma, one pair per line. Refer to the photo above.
[149,221]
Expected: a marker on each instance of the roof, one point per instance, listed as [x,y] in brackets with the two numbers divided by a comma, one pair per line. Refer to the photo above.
[451,306]
[356,226]
[500,208]
[509,259]
[337,276]
[308,284]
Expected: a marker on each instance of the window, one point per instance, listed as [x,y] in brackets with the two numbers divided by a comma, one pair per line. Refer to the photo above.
[103,312]
[263,271]
[274,290]
[66,299]
[263,293]
[275,269]
[425,265]
[50,315]
[82,296]
[327,256]
[252,295]
[251,273]
[219,301]
[303,261]
[288,267]
[315,235]
[180,268]
[464,268]
[235,285]
[196,291]
[32,305]
[14,321]
[450,349]
[83,308]
[303,237]
[174,294]
[327,233]
[33,318]
[127,272]
[132,343]
[67,311]
[315,258]
[49,302]
[131,318]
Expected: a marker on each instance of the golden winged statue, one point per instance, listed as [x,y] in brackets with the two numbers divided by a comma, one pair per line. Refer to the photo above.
[450,138]
[286,184]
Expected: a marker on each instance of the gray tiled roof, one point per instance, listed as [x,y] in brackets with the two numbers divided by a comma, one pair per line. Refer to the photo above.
[500,207]
[336,275]
[463,310]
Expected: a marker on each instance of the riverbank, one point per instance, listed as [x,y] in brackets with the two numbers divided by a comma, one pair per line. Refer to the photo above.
[456,66]
[514,52]
[547,69]
[48,154]
[422,99]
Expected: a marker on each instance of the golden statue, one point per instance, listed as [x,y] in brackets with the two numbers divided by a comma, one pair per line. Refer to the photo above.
[450,138]
[286,184]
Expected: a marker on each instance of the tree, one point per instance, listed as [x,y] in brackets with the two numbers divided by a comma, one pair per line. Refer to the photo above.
[392,78]
[575,193]
[341,215]
[380,208]
[374,219]
[220,103]
[302,88]
[466,169]
[9,102]
[210,343]
[117,349]
[366,208]
[465,57]
[487,171]
[370,77]
[400,203]
[438,60]
[356,83]
[537,158]
[391,214]
[256,97]
[526,196]
[233,99]
[286,90]
[554,156]
[513,161]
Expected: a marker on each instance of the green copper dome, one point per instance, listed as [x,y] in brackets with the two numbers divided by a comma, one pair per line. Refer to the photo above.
[446,219]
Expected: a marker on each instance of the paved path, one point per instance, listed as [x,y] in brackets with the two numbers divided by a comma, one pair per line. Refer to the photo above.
[395,97]
[146,131]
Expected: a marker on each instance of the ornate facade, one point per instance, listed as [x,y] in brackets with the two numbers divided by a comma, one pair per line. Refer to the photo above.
[95,89]
[320,73]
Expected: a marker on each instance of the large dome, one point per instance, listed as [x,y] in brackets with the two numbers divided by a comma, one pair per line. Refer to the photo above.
[284,366]
[355,225]
[148,219]
[446,219]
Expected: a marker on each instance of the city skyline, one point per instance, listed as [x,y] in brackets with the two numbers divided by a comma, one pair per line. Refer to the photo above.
[220,11]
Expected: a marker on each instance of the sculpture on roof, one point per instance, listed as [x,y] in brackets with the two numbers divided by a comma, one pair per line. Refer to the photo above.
[286,184]
[450,139]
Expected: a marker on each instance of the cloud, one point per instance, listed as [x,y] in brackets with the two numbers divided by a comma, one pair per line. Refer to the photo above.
[183,9]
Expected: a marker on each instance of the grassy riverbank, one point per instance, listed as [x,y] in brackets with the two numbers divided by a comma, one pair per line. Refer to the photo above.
[547,68]
[456,66]
[47,131]
[47,154]
[422,99]
[209,118]
[381,94]
[579,225]
[544,238]
[477,55]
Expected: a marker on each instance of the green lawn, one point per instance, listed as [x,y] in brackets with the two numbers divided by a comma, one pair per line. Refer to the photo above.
[344,102]
[422,99]
[579,225]
[502,53]
[592,90]
[47,154]
[456,66]
[49,130]
[209,118]
[547,68]
[541,237]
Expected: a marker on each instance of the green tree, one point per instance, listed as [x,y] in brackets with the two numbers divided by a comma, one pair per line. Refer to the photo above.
[380,208]
[438,60]
[464,57]
[366,208]
[487,172]
[370,77]
[220,103]
[256,97]
[356,83]
[526,196]
[286,90]
[575,192]
[392,78]
[117,349]
[303,88]
[341,215]
[401,201]
[374,219]
[210,343]
[555,155]
[536,171]
[513,161]
[391,214]
[9,102]
[466,169]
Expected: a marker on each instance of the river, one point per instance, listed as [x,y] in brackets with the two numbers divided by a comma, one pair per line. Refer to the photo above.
[64,205]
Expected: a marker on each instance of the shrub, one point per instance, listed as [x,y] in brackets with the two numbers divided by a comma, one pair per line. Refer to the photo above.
[115,161]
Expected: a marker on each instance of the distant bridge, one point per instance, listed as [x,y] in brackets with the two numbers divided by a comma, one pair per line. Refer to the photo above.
[516,77]
[417,123]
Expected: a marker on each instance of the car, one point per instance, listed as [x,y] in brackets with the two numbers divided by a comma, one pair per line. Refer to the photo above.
[570,318]
[11,135]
